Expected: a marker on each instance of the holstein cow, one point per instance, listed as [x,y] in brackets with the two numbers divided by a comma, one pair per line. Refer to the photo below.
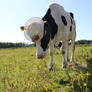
[57,25]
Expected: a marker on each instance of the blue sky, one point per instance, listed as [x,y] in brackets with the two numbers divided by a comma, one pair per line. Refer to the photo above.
[14,13]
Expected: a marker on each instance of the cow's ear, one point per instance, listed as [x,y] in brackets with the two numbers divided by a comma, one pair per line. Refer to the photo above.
[44,21]
[22,28]
[71,14]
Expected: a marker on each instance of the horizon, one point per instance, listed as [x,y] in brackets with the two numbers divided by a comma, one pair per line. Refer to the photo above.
[15,13]
[34,43]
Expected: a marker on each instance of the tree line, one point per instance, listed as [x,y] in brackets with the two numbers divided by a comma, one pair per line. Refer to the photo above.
[17,45]
[80,42]
[11,45]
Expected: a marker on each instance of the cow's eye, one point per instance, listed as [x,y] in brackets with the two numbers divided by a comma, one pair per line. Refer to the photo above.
[35,38]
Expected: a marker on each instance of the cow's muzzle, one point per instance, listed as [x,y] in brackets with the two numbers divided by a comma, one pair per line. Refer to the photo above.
[35,38]
[41,56]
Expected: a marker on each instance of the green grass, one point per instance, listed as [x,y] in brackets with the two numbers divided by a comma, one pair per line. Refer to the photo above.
[21,71]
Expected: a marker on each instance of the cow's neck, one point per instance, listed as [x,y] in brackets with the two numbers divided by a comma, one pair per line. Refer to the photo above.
[45,40]
[50,25]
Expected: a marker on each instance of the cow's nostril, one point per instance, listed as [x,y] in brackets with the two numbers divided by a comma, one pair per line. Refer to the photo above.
[40,56]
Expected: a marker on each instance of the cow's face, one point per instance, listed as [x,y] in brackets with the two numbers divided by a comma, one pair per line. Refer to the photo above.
[40,53]
[35,31]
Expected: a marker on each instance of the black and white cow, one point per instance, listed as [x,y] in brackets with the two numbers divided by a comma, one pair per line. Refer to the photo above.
[57,25]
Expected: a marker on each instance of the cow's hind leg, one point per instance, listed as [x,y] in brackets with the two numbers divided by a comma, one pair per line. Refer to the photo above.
[63,51]
[72,49]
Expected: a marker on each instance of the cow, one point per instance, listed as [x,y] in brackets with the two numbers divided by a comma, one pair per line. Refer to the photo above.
[56,25]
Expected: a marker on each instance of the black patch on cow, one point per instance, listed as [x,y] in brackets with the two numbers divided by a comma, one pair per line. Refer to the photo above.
[70,28]
[60,44]
[64,20]
[71,14]
[71,20]
[45,40]
[71,17]
[50,25]
[50,29]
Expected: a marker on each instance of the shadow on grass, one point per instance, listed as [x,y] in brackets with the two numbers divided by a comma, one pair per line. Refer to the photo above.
[79,67]
[63,82]
[76,88]
[89,67]
[84,69]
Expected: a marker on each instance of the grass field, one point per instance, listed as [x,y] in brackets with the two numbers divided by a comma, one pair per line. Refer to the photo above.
[21,71]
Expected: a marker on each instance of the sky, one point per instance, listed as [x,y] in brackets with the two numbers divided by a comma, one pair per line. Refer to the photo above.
[14,13]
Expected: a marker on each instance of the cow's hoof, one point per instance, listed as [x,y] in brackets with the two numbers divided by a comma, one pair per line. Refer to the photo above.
[64,65]
[50,68]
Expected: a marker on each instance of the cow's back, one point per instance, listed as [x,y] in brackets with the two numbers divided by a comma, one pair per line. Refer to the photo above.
[57,11]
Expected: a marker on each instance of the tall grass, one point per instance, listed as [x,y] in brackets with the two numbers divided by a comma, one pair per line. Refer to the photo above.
[21,71]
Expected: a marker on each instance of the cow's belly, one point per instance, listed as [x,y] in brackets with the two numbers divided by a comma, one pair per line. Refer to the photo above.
[71,35]
[58,37]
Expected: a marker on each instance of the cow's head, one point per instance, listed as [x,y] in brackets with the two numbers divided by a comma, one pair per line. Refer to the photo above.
[35,32]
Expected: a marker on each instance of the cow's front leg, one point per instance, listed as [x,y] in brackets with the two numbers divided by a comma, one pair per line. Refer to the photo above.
[67,52]
[51,61]
[51,56]
[63,51]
